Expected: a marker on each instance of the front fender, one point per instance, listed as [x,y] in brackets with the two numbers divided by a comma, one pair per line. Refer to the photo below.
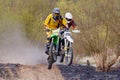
[69,39]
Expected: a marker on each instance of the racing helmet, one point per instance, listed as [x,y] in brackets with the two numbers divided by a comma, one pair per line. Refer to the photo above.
[68,17]
[56,13]
[56,10]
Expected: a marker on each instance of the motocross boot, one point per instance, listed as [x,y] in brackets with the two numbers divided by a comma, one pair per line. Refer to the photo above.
[47,45]
[47,48]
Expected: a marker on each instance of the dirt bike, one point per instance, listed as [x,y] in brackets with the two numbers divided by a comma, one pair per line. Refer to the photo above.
[54,48]
[68,50]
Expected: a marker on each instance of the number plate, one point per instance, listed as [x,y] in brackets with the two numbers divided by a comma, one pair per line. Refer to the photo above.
[67,33]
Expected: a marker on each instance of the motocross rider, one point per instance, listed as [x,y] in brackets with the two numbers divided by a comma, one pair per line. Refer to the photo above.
[70,21]
[52,22]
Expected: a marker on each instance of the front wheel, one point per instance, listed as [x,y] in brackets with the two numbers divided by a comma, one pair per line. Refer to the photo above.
[51,58]
[69,56]
[50,62]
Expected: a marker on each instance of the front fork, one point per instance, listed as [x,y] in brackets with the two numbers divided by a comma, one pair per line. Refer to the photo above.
[57,46]
[67,45]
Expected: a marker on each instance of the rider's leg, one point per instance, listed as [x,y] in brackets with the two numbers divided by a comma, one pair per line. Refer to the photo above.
[63,44]
[62,41]
[47,45]
[47,42]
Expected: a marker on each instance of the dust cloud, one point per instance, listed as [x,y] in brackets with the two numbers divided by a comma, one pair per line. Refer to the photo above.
[15,48]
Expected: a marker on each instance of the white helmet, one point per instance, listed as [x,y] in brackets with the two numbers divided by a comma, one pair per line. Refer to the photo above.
[68,15]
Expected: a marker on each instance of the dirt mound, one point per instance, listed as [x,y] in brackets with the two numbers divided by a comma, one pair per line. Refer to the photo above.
[58,72]
[24,72]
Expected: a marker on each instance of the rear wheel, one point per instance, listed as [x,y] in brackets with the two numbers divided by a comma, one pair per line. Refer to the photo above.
[69,56]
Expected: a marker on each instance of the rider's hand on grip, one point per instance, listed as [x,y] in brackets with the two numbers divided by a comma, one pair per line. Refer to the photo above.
[46,29]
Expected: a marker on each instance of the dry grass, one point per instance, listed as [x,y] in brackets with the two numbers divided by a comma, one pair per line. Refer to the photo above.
[24,72]
[105,60]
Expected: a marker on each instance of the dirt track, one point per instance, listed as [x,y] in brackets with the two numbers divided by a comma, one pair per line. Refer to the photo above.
[58,72]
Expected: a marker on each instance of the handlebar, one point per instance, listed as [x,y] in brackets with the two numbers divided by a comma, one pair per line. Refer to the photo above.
[64,29]
[76,31]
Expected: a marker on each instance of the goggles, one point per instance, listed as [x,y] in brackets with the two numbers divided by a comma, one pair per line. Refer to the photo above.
[68,19]
[56,14]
